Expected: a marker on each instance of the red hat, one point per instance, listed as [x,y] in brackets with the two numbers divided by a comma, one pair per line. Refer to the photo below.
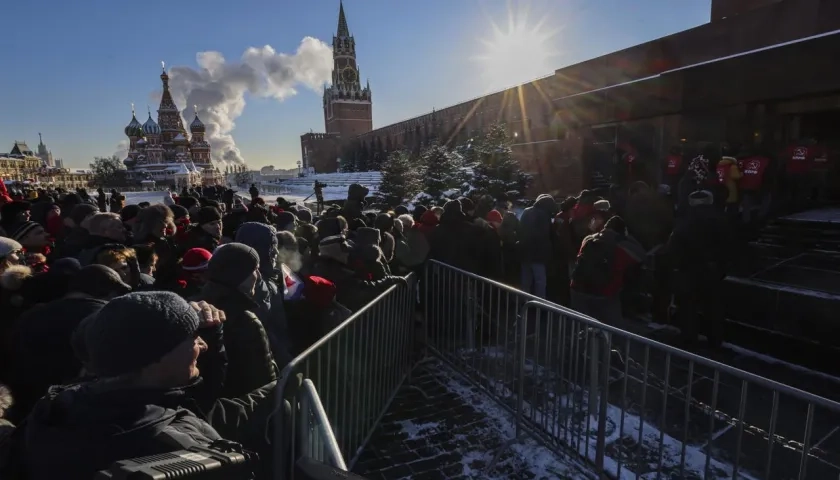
[196,259]
[494,216]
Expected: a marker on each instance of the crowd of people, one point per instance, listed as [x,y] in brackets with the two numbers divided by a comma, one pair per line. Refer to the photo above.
[131,330]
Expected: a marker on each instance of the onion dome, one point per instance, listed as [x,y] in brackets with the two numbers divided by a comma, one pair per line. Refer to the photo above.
[129,162]
[133,129]
[197,126]
[141,142]
[180,138]
[151,127]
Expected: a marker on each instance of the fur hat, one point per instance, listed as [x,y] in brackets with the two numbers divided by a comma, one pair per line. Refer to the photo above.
[23,229]
[208,215]
[367,236]
[81,211]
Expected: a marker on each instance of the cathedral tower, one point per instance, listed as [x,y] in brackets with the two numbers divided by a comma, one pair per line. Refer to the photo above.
[169,119]
[347,105]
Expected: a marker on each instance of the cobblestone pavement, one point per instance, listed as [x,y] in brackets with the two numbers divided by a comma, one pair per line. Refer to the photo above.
[440,427]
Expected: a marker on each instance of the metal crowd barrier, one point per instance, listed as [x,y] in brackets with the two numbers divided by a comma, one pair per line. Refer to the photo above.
[357,369]
[317,437]
[633,407]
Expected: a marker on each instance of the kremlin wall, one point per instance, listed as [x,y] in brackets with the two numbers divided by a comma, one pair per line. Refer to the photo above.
[756,75]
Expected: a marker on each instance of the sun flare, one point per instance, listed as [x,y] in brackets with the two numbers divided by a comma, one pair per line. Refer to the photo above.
[517,51]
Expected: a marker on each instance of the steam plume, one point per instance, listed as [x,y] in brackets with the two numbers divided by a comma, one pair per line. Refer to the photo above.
[218,88]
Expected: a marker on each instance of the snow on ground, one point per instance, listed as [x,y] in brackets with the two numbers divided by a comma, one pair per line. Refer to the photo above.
[133,198]
[535,458]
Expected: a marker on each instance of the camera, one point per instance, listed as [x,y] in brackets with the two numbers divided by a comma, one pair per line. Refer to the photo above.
[222,459]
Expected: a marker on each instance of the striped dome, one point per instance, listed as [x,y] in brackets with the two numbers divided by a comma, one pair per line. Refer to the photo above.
[133,129]
[197,126]
[151,127]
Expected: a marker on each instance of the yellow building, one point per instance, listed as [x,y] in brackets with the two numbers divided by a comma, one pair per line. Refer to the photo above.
[20,164]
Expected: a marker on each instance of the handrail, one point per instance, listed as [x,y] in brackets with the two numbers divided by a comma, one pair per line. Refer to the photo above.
[311,404]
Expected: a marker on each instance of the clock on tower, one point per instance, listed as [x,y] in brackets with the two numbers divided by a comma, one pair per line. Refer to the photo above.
[348,75]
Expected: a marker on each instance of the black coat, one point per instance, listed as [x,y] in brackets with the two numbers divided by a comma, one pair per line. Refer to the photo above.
[352,290]
[250,363]
[197,238]
[457,242]
[45,356]
[535,232]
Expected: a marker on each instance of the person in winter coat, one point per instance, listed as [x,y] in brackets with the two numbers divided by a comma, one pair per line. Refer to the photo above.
[144,348]
[74,236]
[206,233]
[699,249]
[535,247]
[429,219]
[232,276]
[598,276]
[101,200]
[456,241]
[353,291]
[367,258]
[103,229]
[10,253]
[44,354]
[269,290]
[13,214]
[355,202]
[155,225]
[253,191]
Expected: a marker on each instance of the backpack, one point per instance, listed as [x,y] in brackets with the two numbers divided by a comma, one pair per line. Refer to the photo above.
[594,267]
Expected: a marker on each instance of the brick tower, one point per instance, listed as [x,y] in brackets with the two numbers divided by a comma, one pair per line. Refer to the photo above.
[347,105]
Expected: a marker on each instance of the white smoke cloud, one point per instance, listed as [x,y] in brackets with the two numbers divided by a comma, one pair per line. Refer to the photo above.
[218,88]
[122,149]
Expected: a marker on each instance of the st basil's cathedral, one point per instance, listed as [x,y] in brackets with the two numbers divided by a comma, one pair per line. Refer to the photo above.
[165,152]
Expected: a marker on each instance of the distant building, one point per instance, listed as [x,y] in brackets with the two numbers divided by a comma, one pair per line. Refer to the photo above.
[21,164]
[348,106]
[44,154]
[164,151]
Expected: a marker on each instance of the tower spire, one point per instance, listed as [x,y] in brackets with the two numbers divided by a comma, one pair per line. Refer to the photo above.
[343,31]
[40,140]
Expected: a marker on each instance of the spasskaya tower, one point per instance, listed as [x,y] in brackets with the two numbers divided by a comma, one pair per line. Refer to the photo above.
[347,105]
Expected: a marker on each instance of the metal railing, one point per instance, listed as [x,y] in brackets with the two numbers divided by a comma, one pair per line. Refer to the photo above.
[575,384]
[357,368]
[317,437]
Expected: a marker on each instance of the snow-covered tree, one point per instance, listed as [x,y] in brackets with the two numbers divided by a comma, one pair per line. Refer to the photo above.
[443,175]
[495,170]
[400,179]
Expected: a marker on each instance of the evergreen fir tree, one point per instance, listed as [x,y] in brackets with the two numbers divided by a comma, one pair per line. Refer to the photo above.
[496,171]
[400,179]
[347,163]
[443,174]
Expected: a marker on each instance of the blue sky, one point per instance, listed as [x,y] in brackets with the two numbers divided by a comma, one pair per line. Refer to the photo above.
[71,69]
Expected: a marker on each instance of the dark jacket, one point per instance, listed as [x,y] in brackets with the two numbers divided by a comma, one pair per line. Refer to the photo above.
[352,291]
[250,363]
[85,428]
[535,231]
[196,237]
[71,243]
[45,356]
[457,242]
[93,245]
[701,241]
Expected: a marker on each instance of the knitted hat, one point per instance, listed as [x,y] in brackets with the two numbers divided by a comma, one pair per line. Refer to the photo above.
[179,211]
[136,330]
[453,206]
[616,224]
[232,263]
[81,212]
[400,210]
[286,221]
[7,246]
[129,212]
[494,216]
[367,236]
[195,260]
[208,215]
[98,281]
[701,197]
[602,205]
[384,222]
[329,227]
[304,214]
[24,228]
[466,204]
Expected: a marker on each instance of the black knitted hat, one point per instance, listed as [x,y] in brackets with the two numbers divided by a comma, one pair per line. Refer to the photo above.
[232,263]
[208,215]
[136,330]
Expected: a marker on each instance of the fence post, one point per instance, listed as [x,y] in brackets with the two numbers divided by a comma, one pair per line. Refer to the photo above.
[523,341]
[604,377]
[594,377]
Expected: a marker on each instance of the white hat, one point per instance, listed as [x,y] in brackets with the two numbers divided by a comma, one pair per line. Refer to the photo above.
[7,246]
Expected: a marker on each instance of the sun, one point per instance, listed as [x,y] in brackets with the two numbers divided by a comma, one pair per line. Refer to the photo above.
[518,51]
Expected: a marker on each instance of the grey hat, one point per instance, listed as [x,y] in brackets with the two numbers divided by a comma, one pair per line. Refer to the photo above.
[136,330]
[98,281]
[232,263]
